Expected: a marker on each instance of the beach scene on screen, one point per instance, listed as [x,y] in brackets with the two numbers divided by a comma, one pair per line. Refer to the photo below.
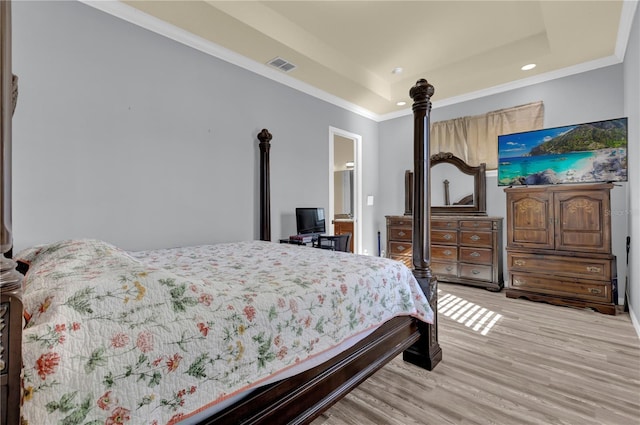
[581,153]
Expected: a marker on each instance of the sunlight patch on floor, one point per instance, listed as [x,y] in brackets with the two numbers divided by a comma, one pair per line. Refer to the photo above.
[473,316]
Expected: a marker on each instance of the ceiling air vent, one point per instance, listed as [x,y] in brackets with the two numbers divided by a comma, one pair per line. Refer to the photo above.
[281,64]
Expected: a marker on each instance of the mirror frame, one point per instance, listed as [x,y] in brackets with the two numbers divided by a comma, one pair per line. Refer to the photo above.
[479,187]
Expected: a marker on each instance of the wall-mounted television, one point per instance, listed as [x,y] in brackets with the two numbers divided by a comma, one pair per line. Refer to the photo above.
[582,153]
[310,221]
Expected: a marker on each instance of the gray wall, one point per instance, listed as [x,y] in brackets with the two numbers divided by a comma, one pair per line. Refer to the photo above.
[589,96]
[124,135]
[632,109]
[127,136]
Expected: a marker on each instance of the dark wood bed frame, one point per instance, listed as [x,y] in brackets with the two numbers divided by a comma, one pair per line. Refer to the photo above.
[296,400]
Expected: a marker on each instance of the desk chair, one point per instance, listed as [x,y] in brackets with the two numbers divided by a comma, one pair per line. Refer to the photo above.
[334,243]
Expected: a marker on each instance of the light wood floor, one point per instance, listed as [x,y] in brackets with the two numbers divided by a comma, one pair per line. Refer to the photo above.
[536,364]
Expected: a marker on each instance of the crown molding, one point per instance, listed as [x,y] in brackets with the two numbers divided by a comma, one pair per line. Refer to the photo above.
[132,15]
[141,19]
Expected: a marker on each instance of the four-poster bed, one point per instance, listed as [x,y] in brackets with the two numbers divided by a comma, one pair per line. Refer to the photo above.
[295,399]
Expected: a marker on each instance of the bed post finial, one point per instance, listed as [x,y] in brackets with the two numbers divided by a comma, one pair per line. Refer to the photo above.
[426,352]
[265,194]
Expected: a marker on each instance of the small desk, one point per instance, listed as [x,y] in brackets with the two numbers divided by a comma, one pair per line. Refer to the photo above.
[294,242]
[327,241]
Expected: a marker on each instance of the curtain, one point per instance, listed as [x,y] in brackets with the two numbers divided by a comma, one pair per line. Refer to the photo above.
[474,139]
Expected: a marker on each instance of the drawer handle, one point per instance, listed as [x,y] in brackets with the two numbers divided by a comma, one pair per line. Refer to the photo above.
[594,269]
[475,238]
[401,233]
[519,262]
[595,290]
[447,236]
[476,224]
[519,282]
[400,248]
[474,271]
[449,224]
[449,268]
[474,254]
[447,252]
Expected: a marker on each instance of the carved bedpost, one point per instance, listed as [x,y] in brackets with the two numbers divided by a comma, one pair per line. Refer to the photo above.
[426,352]
[265,195]
[10,279]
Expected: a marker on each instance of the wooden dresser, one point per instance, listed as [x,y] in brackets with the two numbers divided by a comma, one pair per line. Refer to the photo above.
[464,249]
[559,245]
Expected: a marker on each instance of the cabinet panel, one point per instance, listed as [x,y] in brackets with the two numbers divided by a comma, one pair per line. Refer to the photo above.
[444,269]
[589,268]
[583,289]
[341,227]
[444,236]
[476,238]
[476,255]
[444,253]
[405,259]
[400,248]
[583,221]
[486,225]
[531,223]
[444,224]
[400,233]
[476,271]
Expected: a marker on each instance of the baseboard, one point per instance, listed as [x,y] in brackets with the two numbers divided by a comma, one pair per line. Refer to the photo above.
[634,321]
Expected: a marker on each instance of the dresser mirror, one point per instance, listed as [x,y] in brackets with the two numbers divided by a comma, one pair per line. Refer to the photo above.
[456,187]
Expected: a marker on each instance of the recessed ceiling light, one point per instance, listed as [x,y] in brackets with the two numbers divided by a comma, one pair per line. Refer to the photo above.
[397,70]
[528,67]
[401,103]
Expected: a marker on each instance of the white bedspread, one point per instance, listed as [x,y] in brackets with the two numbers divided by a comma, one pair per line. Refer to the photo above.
[154,337]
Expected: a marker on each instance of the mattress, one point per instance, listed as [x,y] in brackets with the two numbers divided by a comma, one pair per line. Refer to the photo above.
[161,336]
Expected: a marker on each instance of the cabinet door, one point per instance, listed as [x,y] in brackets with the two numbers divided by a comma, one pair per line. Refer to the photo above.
[530,220]
[582,221]
[342,227]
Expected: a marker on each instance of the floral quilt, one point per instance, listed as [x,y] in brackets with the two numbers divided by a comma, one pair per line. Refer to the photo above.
[113,337]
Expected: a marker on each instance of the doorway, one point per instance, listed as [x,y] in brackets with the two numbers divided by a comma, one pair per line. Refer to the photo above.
[345,184]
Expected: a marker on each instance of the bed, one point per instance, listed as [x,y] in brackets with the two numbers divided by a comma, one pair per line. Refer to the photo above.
[95,334]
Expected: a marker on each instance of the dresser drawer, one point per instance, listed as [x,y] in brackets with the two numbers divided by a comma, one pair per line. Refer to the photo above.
[444,268]
[476,271]
[582,268]
[444,224]
[399,248]
[406,259]
[449,253]
[476,255]
[399,233]
[444,236]
[469,237]
[400,221]
[476,224]
[561,286]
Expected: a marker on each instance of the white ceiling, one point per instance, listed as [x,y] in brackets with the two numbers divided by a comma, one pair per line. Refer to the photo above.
[345,51]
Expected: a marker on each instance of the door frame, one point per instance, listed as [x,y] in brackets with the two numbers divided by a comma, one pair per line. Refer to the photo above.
[357,184]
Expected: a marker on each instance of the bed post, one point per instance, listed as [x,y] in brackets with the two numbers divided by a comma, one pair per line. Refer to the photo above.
[265,194]
[426,352]
[10,279]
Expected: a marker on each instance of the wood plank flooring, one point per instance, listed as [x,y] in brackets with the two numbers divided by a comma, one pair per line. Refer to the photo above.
[526,363]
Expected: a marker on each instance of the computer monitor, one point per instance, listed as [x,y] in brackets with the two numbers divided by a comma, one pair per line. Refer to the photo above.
[310,220]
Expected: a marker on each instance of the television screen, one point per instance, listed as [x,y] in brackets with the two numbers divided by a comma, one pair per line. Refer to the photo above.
[582,153]
[310,220]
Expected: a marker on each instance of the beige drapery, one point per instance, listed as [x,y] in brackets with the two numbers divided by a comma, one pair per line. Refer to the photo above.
[475,138]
